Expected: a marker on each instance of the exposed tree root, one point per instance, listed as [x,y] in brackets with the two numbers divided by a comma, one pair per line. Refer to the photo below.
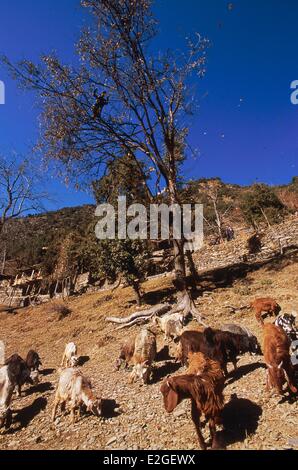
[139,321]
[185,306]
[159,309]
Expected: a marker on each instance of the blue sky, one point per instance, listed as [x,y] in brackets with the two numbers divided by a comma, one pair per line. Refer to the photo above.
[246,127]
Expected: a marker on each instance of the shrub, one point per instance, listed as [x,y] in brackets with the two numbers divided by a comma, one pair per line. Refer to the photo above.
[261,203]
[58,308]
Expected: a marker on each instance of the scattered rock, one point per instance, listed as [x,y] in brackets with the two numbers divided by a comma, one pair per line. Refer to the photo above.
[179,412]
[293,442]
[112,440]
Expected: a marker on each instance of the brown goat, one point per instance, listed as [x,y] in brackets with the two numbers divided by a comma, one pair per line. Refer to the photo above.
[221,346]
[33,360]
[266,306]
[206,398]
[199,364]
[195,341]
[127,350]
[277,359]
[19,368]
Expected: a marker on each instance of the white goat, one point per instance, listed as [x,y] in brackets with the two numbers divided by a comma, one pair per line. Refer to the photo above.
[12,375]
[171,325]
[7,386]
[144,355]
[75,389]
[70,355]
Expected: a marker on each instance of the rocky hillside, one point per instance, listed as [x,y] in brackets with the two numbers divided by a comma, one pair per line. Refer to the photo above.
[37,241]
[274,241]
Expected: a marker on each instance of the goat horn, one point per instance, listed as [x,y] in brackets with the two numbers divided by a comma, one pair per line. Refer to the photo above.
[280,365]
[269,365]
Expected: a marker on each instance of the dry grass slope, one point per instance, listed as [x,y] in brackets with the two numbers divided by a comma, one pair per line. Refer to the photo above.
[254,420]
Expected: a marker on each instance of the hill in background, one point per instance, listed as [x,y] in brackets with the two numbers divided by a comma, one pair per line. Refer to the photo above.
[37,240]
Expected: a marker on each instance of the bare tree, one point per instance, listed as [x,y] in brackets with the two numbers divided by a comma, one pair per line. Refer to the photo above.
[18,194]
[212,194]
[144,111]
[212,190]
[18,190]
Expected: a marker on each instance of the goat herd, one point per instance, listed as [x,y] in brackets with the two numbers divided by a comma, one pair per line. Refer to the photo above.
[205,354]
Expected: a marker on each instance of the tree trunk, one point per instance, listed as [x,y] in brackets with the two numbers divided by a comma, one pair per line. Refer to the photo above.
[218,221]
[178,245]
[185,302]
[137,290]
[192,268]
[4,259]
[2,223]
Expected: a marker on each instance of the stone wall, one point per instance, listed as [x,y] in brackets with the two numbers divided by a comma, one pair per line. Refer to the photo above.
[22,291]
[82,282]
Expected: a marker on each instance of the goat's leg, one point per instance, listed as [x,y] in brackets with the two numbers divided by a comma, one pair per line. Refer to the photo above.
[290,377]
[19,390]
[224,368]
[2,421]
[267,381]
[132,377]
[8,420]
[73,407]
[63,359]
[73,414]
[62,406]
[56,402]
[195,415]
[212,428]
[214,440]
[235,364]
[259,317]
